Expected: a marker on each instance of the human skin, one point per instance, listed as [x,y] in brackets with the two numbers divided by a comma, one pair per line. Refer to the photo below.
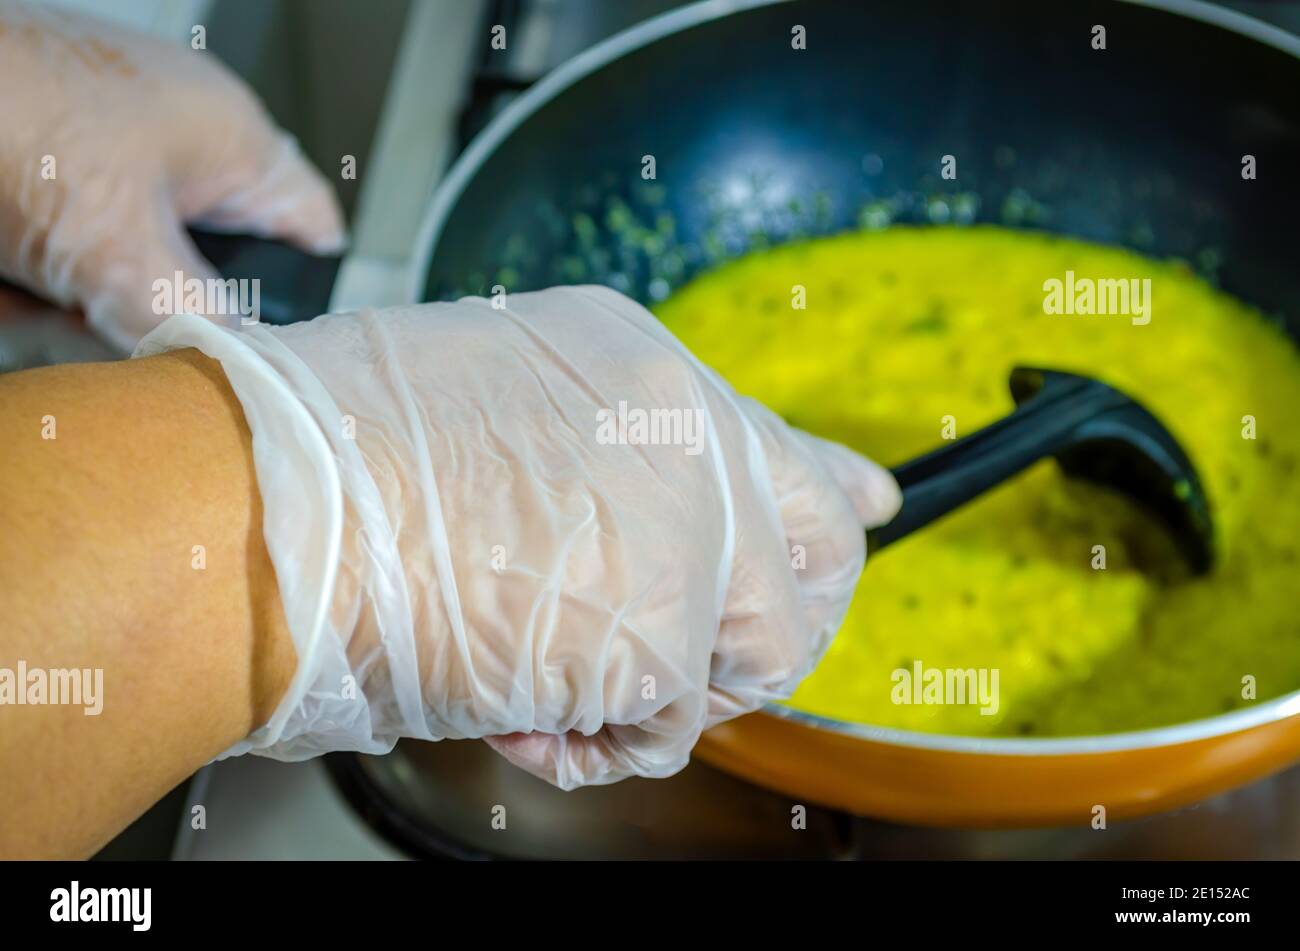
[98,528]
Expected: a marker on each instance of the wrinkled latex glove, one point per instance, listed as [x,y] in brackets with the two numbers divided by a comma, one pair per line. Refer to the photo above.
[138,136]
[467,547]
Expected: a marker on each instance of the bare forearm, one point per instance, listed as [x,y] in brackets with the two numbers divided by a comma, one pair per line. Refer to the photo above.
[130,542]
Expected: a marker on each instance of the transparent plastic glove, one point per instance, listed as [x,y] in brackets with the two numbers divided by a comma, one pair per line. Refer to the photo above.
[111,140]
[467,547]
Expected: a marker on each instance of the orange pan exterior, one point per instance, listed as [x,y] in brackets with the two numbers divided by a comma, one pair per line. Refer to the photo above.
[920,785]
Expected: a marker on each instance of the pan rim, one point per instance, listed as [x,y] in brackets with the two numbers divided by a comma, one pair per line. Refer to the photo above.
[1186,731]
[485,144]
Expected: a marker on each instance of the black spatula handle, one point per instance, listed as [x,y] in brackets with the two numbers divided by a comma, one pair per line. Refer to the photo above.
[1051,408]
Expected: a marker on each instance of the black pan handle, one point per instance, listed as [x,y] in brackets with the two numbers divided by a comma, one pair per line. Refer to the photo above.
[1051,409]
[294,285]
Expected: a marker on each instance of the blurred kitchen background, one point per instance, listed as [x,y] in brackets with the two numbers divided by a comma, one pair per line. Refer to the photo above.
[403,85]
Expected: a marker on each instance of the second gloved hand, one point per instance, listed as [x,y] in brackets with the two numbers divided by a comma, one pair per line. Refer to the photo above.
[546,524]
[111,141]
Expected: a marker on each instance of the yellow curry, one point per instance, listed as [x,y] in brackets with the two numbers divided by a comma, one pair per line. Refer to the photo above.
[906,330]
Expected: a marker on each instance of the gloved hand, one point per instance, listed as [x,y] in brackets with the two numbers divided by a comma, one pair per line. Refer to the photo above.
[468,545]
[110,141]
